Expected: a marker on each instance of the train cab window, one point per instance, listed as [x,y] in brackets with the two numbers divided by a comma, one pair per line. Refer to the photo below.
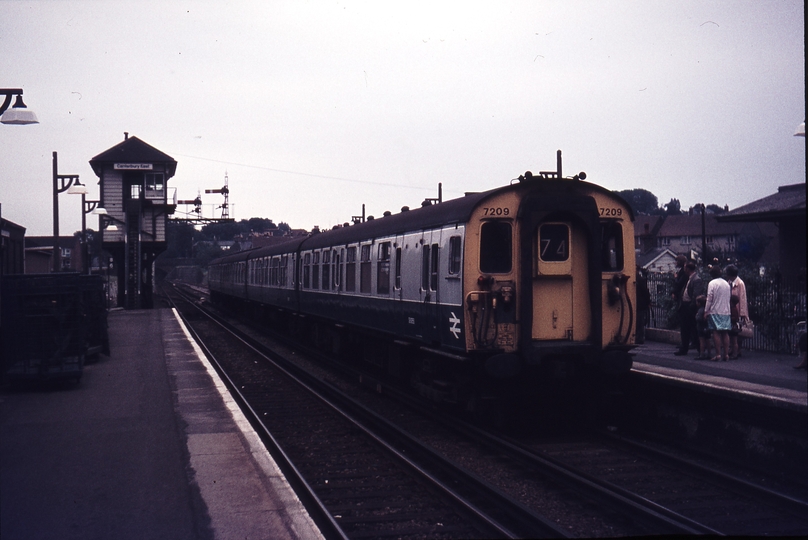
[398,269]
[326,270]
[495,247]
[364,269]
[315,270]
[454,255]
[383,269]
[554,242]
[350,269]
[306,270]
[612,247]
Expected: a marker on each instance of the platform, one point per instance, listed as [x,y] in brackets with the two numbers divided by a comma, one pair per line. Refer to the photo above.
[762,376]
[145,446]
[149,445]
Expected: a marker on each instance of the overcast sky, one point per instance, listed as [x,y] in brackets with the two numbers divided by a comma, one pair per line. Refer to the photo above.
[314,108]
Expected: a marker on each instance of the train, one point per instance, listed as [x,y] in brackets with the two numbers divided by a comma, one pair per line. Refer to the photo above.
[490,294]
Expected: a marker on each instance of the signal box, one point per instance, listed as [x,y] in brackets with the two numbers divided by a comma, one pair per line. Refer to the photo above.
[133,178]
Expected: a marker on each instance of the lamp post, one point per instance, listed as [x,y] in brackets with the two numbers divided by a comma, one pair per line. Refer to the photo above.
[703,234]
[19,114]
[61,183]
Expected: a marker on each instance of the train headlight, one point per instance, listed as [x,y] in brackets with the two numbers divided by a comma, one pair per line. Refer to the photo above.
[485,282]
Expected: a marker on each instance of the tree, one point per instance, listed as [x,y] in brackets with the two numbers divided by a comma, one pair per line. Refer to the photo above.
[641,200]
[179,239]
[673,208]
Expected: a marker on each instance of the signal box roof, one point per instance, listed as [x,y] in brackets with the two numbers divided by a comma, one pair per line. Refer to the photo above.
[133,150]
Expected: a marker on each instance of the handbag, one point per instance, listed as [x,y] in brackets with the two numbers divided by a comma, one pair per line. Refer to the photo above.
[747,330]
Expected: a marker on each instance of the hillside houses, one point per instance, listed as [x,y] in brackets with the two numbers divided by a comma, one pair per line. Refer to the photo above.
[658,239]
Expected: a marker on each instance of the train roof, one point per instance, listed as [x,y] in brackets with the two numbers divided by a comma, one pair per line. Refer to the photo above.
[445,213]
[437,215]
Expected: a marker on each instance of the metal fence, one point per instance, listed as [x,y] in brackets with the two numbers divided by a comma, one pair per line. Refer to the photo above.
[776,305]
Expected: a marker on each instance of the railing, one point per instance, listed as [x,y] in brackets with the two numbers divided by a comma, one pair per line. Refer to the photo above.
[776,305]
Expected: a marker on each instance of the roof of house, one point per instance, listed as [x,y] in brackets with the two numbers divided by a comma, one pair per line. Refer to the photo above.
[645,259]
[653,223]
[789,201]
[47,241]
[133,150]
[690,225]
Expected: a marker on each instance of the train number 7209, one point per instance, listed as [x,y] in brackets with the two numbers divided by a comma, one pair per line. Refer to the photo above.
[611,212]
[497,211]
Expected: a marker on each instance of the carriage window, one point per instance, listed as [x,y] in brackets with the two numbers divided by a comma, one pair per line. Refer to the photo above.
[554,242]
[454,255]
[336,271]
[350,269]
[495,247]
[364,269]
[425,268]
[383,269]
[315,270]
[398,268]
[306,270]
[326,270]
[612,246]
[282,276]
[433,282]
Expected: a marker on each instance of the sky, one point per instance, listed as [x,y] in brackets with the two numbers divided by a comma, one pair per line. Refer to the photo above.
[313,109]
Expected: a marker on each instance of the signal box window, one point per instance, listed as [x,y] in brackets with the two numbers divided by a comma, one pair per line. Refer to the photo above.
[612,247]
[154,185]
[495,247]
[554,242]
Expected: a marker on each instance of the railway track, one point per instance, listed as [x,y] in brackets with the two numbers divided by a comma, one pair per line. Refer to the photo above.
[365,477]
[579,486]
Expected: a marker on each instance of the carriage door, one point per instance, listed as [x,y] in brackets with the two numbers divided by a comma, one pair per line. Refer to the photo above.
[560,282]
[429,290]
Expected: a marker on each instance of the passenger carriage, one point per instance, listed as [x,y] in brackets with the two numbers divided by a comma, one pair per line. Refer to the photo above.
[534,278]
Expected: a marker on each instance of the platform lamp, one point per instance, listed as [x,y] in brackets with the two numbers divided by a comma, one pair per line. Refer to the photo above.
[86,207]
[19,114]
[61,183]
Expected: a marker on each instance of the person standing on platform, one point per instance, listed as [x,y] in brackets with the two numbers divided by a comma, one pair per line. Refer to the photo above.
[702,329]
[679,282]
[738,290]
[693,289]
[717,311]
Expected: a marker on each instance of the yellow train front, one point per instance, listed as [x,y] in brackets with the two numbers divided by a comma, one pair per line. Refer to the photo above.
[549,280]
